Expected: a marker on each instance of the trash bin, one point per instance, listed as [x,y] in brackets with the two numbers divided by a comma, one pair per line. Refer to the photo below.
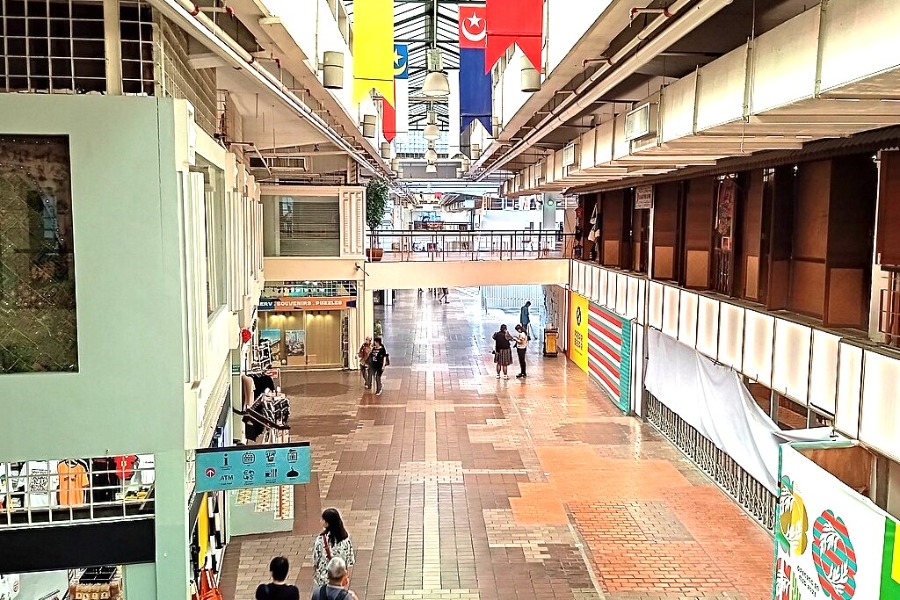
[551,336]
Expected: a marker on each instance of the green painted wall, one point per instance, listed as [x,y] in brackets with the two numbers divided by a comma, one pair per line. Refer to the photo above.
[128,396]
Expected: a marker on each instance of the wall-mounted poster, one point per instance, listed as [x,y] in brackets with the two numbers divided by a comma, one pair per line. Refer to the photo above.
[296,342]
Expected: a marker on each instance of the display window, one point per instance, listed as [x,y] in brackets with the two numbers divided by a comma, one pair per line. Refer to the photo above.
[76,584]
[61,490]
[307,338]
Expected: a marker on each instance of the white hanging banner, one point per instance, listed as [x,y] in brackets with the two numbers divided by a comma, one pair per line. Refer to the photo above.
[401,97]
[453,108]
[713,400]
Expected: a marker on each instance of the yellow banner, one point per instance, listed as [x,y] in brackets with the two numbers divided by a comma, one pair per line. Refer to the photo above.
[578,330]
[373,48]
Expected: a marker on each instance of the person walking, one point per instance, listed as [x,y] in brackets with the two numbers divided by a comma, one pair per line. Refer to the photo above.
[278,589]
[334,541]
[338,586]
[378,360]
[502,351]
[443,297]
[525,318]
[521,347]
[364,351]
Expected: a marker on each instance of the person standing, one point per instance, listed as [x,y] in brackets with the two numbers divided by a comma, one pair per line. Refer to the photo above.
[525,318]
[521,347]
[378,360]
[364,351]
[502,351]
[338,586]
[334,541]
[278,589]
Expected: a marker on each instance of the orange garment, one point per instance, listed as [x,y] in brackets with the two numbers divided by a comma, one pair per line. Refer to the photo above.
[72,481]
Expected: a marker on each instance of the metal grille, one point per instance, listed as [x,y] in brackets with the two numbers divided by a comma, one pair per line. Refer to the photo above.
[37,265]
[335,288]
[45,492]
[59,46]
[137,30]
[889,309]
[55,46]
[177,79]
[749,493]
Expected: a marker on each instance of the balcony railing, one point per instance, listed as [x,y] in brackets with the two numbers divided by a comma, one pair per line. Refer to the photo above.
[441,246]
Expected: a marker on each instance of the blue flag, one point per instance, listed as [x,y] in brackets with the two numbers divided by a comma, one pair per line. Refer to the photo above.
[401,61]
[475,89]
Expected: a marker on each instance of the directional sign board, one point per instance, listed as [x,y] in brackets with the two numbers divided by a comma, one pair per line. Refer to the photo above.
[252,466]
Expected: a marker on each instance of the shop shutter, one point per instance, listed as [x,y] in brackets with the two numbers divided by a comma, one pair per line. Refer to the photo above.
[310,227]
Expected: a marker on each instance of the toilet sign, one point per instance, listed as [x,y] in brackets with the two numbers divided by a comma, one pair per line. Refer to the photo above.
[238,467]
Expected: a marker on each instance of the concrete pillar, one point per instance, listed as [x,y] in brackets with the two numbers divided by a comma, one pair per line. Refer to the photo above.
[172,528]
[113,42]
[140,582]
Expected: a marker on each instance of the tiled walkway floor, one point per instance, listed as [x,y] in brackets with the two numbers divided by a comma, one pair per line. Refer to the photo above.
[456,485]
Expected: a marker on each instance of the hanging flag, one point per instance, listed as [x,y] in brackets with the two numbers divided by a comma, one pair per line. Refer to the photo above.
[401,88]
[474,80]
[389,118]
[373,48]
[514,22]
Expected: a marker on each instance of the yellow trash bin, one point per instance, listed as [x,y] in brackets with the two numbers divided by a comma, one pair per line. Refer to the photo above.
[551,336]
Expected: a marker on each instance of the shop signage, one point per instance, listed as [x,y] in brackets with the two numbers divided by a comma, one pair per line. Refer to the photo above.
[643,197]
[578,328]
[609,354]
[831,542]
[238,467]
[287,303]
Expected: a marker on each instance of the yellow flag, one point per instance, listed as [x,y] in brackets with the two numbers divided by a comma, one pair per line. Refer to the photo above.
[373,48]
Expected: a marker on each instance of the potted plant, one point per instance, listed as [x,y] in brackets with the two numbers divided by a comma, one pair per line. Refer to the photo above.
[377,197]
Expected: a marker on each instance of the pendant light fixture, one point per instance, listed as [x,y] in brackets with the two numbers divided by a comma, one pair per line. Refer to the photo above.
[432,132]
[431,168]
[430,154]
[436,83]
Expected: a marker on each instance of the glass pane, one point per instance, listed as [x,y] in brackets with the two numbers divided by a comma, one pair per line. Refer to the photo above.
[37,265]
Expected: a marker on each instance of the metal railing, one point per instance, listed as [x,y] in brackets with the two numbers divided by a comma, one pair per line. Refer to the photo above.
[749,493]
[440,246]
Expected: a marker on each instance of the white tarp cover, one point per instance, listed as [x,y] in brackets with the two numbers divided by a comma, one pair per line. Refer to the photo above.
[713,400]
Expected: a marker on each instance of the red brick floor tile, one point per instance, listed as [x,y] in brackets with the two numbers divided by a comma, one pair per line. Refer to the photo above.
[457,486]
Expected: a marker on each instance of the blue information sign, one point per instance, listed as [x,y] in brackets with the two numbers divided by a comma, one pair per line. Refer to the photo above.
[252,466]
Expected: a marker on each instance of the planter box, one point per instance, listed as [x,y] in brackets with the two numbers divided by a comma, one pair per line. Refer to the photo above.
[375,254]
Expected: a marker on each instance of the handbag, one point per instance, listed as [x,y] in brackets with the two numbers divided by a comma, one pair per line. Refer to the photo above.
[208,588]
[387,360]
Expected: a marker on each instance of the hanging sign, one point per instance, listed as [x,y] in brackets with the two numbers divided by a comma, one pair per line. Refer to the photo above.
[252,466]
[288,303]
[643,197]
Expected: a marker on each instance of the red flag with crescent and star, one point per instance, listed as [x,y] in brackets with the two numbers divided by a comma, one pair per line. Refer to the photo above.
[475,88]
[514,22]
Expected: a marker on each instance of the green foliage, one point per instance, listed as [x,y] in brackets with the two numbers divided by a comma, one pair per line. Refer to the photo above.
[377,197]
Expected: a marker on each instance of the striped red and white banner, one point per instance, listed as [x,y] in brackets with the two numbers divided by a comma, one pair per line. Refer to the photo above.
[609,353]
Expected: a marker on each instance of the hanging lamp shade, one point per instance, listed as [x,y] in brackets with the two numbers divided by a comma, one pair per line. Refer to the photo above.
[436,83]
[430,155]
[431,168]
[432,132]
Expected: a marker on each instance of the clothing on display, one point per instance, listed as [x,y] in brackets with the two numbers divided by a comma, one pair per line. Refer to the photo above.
[9,587]
[125,467]
[41,479]
[147,464]
[10,482]
[104,481]
[73,479]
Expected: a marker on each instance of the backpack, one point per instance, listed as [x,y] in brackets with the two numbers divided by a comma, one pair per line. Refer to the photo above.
[323,593]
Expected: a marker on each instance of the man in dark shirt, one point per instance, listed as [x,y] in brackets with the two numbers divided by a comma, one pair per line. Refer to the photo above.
[378,360]
[278,590]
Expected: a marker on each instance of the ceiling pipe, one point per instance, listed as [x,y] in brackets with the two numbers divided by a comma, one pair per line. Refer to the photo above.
[190,15]
[619,67]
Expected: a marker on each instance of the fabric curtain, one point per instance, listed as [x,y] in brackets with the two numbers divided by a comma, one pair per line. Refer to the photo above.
[713,400]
